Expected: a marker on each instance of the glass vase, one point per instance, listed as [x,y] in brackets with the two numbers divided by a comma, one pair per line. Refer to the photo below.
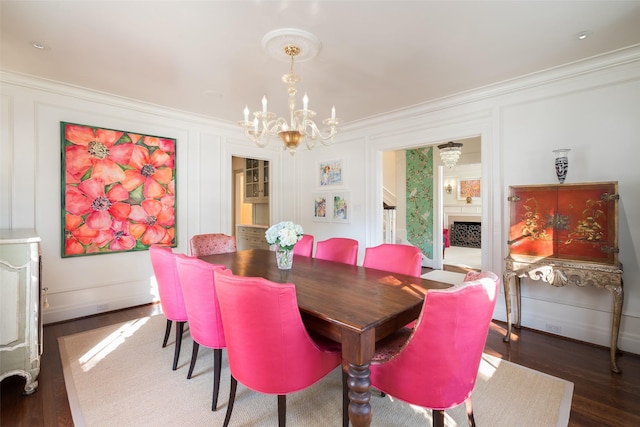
[284,258]
[562,163]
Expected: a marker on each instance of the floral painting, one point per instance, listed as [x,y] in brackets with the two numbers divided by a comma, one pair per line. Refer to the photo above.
[468,188]
[118,190]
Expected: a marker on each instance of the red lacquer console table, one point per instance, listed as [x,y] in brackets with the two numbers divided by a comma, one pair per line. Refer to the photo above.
[562,235]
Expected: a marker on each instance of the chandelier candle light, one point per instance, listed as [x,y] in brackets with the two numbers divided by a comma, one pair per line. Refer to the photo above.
[284,235]
[300,126]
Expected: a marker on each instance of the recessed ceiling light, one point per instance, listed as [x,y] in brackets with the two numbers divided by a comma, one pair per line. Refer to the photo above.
[212,92]
[584,35]
[38,45]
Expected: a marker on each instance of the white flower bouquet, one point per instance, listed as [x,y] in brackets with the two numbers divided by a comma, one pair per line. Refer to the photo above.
[285,234]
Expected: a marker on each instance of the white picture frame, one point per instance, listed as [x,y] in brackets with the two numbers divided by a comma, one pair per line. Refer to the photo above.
[321,207]
[330,174]
[340,211]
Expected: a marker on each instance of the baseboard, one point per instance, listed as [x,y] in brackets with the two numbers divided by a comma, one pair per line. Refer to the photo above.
[74,312]
[426,262]
[552,318]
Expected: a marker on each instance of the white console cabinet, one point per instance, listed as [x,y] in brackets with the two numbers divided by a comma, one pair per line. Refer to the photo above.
[251,237]
[20,310]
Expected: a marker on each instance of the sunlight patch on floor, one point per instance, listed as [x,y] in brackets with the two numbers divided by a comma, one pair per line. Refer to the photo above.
[488,367]
[110,343]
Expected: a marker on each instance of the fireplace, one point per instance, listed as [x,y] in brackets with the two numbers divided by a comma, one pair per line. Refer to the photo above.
[465,233]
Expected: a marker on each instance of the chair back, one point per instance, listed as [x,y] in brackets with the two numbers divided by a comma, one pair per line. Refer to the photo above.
[199,290]
[338,249]
[304,246]
[438,365]
[401,259]
[210,244]
[163,261]
[268,346]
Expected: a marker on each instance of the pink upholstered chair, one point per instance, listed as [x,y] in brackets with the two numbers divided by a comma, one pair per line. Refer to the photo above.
[269,349]
[205,322]
[170,292]
[338,249]
[304,246]
[435,365]
[401,259]
[210,244]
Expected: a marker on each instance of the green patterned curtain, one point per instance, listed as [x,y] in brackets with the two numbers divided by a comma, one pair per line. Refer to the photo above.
[420,199]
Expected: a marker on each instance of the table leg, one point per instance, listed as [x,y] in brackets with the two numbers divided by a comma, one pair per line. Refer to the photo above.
[357,351]
[359,395]
[506,281]
[618,295]
[518,302]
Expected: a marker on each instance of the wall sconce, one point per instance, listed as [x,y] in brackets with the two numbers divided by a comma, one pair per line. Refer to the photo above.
[448,188]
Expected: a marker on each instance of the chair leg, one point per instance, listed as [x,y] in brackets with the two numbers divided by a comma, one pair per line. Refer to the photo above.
[217,367]
[176,355]
[469,407]
[194,357]
[167,331]
[232,398]
[345,400]
[438,418]
[282,410]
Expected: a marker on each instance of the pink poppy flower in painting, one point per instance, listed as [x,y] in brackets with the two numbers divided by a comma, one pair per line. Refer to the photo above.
[117,237]
[97,149]
[77,235]
[151,218]
[169,237]
[153,170]
[89,198]
[164,144]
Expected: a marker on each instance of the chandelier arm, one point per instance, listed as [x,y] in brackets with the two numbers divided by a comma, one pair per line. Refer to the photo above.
[256,136]
[309,142]
[273,127]
[315,133]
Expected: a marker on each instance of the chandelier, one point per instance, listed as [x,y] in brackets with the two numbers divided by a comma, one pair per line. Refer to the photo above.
[300,126]
[450,153]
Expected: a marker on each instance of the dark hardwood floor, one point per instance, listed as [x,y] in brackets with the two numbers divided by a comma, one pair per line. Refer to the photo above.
[601,398]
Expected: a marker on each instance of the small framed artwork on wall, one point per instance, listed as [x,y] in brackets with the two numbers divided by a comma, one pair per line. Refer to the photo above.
[321,207]
[341,207]
[331,173]
[469,188]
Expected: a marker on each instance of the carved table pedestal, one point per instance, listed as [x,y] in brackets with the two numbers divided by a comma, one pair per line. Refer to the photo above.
[561,273]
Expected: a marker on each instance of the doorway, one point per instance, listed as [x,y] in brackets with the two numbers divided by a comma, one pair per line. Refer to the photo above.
[250,204]
[242,210]
[450,206]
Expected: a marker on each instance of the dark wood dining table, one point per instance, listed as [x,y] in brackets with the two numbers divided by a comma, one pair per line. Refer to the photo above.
[352,305]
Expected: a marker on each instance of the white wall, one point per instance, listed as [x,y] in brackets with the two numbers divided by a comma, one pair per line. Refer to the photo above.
[591,107]
[30,192]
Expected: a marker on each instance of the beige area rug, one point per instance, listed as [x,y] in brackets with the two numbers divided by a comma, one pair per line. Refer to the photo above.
[444,276]
[121,376]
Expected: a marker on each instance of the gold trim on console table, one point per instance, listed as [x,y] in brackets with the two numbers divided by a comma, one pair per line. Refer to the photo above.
[561,273]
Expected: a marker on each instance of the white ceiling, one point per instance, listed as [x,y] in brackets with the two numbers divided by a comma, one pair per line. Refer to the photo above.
[206,57]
